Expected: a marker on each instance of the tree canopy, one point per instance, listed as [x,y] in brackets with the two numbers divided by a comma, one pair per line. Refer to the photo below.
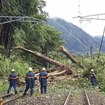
[23,22]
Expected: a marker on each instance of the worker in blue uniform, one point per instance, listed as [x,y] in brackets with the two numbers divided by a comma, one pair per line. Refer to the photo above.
[93,78]
[12,81]
[43,76]
[30,81]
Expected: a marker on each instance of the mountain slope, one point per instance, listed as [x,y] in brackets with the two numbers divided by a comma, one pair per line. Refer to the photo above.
[76,40]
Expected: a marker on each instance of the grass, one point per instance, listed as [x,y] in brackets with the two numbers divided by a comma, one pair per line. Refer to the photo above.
[3,85]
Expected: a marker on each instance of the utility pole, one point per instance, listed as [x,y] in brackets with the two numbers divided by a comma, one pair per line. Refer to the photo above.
[101,42]
[91,52]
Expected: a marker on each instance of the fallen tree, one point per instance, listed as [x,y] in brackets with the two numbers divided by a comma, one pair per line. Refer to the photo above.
[70,56]
[57,74]
[54,74]
[41,56]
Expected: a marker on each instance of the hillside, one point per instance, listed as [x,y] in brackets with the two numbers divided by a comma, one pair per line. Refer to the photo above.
[76,40]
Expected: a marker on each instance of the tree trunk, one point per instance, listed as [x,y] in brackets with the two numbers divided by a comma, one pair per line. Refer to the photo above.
[58,74]
[70,56]
[39,55]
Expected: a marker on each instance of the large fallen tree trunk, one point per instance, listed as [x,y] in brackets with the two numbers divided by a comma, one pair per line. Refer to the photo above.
[55,74]
[59,73]
[39,55]
[70,56]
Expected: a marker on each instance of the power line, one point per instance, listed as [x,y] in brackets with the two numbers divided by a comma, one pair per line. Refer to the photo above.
[9,21]
[20,19]
[91,17]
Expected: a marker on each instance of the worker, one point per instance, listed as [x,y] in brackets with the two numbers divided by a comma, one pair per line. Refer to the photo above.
[43,76]
[92,71]
[92,78]
[12,81]
[30,81]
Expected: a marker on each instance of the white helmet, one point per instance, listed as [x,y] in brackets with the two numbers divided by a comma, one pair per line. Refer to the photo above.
[12,70]
[43,69]
[30,69]
[92,69]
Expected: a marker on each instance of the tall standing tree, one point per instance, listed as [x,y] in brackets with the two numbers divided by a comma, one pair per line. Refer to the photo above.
[22,22]
[9,25]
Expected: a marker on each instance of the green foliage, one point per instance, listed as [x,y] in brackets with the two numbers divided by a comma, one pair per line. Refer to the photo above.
[43,38]
[89,63]
[99,68]
[83,82]
[16,32]
[32,35]
[6,65]
[19,37]
[20,67]
[21,7]
[3,85]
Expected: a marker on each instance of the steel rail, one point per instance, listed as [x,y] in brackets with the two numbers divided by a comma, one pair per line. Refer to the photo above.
[6,95]
[5,98]
[12,99]
[67,99]
[87,98]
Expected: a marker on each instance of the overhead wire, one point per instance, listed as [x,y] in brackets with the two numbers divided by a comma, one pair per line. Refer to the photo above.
[22,15]
[8,21]
[21,18]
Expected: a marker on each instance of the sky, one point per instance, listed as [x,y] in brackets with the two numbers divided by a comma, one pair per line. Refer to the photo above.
[68,9]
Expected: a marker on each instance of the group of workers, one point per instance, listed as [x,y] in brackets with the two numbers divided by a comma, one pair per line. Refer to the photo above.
[30,81]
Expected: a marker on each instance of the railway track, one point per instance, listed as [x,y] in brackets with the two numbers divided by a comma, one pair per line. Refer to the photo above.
[96,98]
[85,98]
[57,95]
[6,95]
[76,98]
[8,99]
[11,100]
